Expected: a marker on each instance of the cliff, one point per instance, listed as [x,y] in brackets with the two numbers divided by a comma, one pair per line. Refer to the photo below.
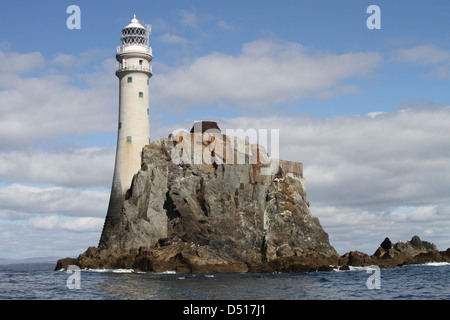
[213,216]
[220,214]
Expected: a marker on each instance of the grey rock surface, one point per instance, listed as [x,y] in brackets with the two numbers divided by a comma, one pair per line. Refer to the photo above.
[219,215]
[230,210]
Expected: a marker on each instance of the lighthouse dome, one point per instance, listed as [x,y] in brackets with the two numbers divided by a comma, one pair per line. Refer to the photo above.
[134,23]
[135,34]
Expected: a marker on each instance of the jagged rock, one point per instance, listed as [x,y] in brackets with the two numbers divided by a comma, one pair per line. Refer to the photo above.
[386,244]
[356,258]
[446,254]
[403,253]
[62,264]
[424,257]
[414,247]
[388,255]
[379,252]
[212,217]
[325,268]
[220,217]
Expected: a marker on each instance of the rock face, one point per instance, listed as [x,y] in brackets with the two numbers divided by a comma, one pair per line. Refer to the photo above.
[219,215]
[211,217]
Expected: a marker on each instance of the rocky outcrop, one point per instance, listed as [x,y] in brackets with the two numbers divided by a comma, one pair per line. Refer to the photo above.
[388,255]
[219,215]
[212,216]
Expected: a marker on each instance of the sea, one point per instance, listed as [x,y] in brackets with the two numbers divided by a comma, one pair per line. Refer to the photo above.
[39,281]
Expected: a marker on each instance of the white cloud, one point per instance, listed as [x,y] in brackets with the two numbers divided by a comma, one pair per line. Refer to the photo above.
[87,168]
[41,105]
[225,26]
[65,60]
[173,39]
[352,229]
[22,202]
[437,59]
[422,55]
[19,63]
[21,240]
[53,222]
[36,109]
[188,19]
[266,72]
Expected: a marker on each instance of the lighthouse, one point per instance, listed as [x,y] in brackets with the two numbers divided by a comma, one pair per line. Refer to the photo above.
[134,71]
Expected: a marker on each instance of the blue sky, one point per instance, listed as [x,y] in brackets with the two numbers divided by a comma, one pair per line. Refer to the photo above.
[366,111]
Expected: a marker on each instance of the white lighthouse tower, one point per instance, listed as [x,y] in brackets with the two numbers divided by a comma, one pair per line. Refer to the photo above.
[134,72]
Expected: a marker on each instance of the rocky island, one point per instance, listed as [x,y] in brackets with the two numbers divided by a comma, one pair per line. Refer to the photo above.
[221,216]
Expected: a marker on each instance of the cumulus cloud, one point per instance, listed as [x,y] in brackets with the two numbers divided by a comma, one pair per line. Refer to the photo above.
[64,189]
[426,55]
[20,202]
[266,72]
[65,60]
[173,39]
[23,239]
[69,167]
[188,19]
[225,26]
[54,222]
[352,229]
[20,63]
[36,109]
[422,55]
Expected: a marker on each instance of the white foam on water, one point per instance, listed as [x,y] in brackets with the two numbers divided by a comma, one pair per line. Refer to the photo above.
[437,264]
[110,270]
[352,268]
[97,270]
[123,271]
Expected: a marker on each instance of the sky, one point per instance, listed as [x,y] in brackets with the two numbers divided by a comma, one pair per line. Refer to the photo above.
[365,110]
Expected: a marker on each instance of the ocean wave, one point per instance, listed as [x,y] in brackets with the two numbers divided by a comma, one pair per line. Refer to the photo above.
[110,270]
[123,271]
[433,264]
[437,264]
[355,268]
